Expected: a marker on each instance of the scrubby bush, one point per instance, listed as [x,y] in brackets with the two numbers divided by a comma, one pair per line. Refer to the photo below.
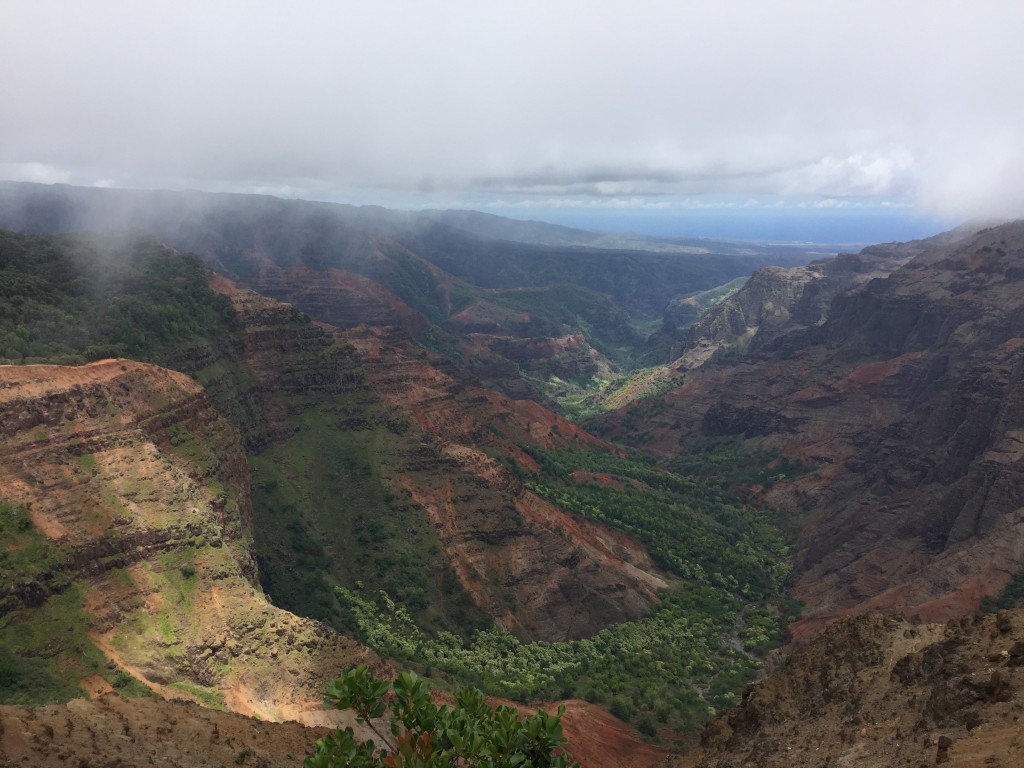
[426,735]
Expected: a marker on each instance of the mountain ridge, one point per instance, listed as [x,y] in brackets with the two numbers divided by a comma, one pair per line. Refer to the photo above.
[900,405]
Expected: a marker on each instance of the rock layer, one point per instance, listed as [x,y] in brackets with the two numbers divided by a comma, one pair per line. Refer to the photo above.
[128,470]
[539,571]
[905,401]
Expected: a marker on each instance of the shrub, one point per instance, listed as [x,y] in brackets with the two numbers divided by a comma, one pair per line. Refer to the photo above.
[426,735]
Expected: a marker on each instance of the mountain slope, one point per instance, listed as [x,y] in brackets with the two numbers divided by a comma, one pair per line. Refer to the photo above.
[139,492]
[345,265]
[875,691]
[903,407]
[426,456]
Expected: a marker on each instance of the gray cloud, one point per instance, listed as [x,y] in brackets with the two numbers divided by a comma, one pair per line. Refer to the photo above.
[911,100]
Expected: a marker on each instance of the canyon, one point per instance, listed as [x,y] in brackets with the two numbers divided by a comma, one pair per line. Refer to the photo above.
[901,403]
[185,520]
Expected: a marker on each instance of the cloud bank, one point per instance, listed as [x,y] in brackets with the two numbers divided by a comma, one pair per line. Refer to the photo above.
[918,102]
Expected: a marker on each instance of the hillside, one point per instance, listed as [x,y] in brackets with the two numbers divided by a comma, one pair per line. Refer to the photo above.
[875,691]
[475,537]
[464,283]
[419,465]
[128,527]
[866,405]
[891,423]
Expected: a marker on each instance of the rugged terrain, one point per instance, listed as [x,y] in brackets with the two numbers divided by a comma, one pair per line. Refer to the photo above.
[113,732]
[877,692]
[184,621]
[902,407]
[169,603]
[139,492]
[458,281]
[523,561]
[873,399]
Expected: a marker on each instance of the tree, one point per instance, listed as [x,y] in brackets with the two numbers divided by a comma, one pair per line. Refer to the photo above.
[423,734]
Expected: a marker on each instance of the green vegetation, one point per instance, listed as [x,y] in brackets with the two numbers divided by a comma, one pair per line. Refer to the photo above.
[210,697]
[26,556]
[672,669]
[425,735]
[1010,596]
[44,646]
[71,299]
[334,524]
[724,462]
[686,524]
[45,651]
[676,666]
[328,514]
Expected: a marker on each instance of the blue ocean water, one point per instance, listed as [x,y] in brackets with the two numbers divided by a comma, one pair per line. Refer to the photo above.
[843,226]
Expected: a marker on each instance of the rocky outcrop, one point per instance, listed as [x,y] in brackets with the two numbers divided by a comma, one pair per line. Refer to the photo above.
[905,402]
[777,301]
[129,472]
[876,691]
[763,306]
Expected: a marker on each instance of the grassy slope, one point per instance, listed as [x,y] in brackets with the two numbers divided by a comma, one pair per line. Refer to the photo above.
[44,647]
[328,513]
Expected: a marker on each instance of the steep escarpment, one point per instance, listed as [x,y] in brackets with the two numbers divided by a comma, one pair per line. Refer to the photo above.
[877,691]
[136,487]
[378,436]
[779,301]
[392,471]
[903,408]
[139,492]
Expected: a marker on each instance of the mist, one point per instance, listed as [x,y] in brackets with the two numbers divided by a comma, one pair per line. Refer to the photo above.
[659,107]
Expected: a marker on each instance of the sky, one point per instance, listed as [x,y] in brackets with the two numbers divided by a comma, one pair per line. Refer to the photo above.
[665,117]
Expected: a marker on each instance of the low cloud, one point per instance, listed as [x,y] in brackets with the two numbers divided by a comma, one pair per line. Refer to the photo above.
[916,103]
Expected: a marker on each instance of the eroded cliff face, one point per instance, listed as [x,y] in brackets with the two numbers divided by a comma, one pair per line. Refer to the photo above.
[335,296]
[778,302]
[536,570]
[558,577]
[905,404]
[877,691]
[142,489]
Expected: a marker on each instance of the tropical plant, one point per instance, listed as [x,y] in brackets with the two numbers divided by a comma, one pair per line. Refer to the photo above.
[422,734]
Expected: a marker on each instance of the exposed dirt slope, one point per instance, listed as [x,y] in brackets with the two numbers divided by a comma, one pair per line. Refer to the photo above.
[128,470]
[112,731]
[877,692]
